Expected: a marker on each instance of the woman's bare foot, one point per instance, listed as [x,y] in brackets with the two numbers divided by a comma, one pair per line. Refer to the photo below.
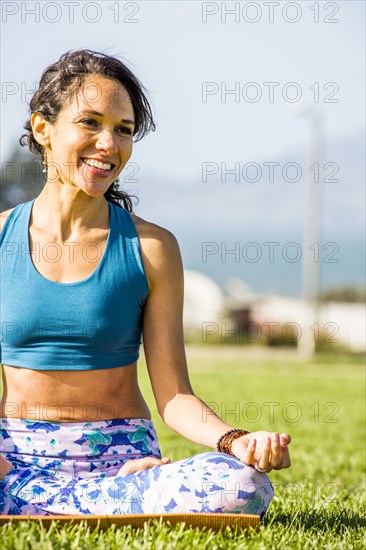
[5,467]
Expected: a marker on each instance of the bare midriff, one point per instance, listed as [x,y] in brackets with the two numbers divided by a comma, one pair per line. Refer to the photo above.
[72,396]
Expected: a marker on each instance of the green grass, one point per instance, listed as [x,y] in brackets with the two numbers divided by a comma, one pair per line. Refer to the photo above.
[319,502]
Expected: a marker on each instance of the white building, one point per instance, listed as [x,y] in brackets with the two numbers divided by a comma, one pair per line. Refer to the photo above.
[203,300]
[337,321]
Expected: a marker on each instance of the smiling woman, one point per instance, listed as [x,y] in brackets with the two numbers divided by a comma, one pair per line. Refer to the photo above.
[89,152]
[76,433]
[70,78]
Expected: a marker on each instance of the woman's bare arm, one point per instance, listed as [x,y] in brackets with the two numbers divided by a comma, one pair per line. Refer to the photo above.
[163,341]
[164,349]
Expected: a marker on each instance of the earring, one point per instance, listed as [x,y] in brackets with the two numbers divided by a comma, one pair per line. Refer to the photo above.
[116,184]
[44,162]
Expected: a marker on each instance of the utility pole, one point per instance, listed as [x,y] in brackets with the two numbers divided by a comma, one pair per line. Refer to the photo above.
[312,238]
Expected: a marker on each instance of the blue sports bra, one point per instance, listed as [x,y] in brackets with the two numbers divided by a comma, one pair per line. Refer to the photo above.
[91,324]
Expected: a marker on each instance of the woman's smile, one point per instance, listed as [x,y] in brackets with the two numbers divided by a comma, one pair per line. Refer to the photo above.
[98,168]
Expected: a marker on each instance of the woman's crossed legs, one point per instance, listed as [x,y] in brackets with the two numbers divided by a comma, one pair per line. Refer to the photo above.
[62,480]
[207,482]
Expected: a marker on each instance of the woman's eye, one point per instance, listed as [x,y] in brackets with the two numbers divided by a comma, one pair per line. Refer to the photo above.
[125,130]
[90,121]
[120,129]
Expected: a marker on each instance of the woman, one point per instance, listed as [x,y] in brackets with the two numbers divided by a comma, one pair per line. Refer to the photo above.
[82,279]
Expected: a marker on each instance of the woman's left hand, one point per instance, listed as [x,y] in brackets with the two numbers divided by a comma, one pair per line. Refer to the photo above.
[138,464]
[265,451]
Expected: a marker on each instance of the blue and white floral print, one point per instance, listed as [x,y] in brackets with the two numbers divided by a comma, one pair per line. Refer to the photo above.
[72,468]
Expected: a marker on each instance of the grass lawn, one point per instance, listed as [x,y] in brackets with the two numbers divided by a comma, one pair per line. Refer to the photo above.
[319,502]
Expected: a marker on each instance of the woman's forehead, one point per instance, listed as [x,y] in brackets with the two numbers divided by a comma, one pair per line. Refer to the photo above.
[99,92]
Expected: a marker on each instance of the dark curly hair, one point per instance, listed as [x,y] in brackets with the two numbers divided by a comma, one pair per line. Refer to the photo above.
[64,78]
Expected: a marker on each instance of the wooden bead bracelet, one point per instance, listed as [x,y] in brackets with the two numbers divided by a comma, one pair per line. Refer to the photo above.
[225,442]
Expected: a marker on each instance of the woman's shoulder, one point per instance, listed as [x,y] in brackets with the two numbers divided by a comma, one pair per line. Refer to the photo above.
[4,216]
[157,243]
[151,232]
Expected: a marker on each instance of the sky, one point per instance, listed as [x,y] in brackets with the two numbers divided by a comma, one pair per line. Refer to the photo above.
[210,74]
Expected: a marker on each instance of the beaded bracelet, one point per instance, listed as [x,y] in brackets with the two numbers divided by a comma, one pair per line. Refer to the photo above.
[225,442]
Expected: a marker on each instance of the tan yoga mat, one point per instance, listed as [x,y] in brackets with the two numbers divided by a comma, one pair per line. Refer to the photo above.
[210,521]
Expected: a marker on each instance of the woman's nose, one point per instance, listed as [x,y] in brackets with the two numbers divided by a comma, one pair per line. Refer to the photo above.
[107,141]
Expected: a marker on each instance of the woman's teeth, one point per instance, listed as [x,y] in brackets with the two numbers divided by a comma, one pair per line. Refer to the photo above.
[97,164]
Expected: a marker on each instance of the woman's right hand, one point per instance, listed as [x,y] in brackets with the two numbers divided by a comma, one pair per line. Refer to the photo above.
[138,464]
[265,450]
[5,467]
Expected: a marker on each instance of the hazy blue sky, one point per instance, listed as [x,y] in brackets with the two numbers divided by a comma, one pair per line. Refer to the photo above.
[175,47]
[173,52]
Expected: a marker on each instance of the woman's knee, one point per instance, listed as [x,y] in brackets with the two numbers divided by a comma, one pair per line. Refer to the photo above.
[243,491]
[228,485]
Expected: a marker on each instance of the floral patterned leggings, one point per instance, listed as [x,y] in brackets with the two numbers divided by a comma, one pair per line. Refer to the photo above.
[72,468]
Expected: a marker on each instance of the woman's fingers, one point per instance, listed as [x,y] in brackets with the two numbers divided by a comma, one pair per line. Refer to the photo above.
[264,462]
[286,461]
[275,454]
[276,458]
[286,438]
[263,450]
[139,464]
[280,456]
[250,452]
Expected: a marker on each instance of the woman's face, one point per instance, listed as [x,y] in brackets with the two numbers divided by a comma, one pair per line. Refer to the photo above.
[91,140]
